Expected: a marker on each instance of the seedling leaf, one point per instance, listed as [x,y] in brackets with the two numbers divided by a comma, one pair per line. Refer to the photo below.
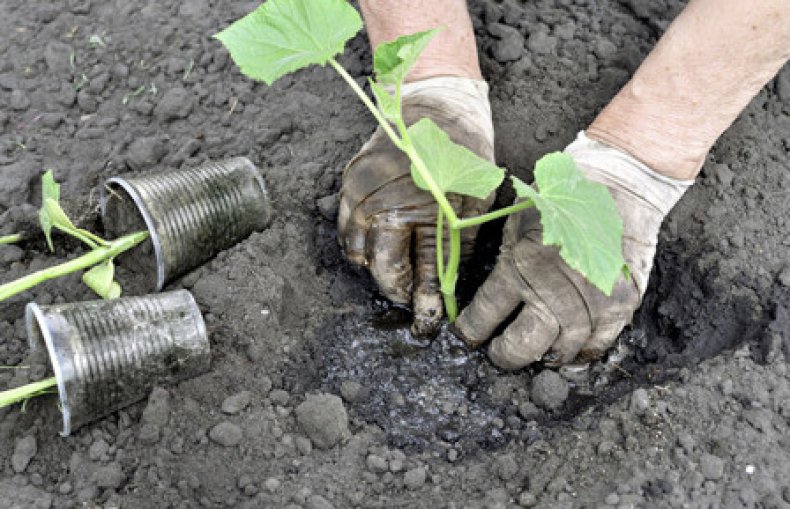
[51,215]
[100,280]
[282,36]
[115,291]
[393,60]
[50,188]
[454,168]
[580,217]
[387,103]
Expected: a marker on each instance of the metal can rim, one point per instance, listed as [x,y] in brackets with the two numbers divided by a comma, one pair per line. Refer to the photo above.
[34,312]
[147,217]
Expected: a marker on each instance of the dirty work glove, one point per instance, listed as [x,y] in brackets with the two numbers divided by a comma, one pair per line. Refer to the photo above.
[389,225]
[563,317]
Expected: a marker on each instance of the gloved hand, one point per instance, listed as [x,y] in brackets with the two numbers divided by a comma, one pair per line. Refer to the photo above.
[389,225]
[564,318]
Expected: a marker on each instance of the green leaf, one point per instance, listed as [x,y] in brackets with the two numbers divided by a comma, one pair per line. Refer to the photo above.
[580,217]
[100,280]
[387,103]
[115,291]
[392,60]
[454,168]
[50,188]
[282,36]
[46,226]
[51,214]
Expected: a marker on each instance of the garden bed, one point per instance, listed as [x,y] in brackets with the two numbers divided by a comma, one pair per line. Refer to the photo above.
[694,406]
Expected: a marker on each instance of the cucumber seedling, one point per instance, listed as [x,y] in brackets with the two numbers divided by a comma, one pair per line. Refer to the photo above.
[579,216]
[99,275]
[11,239]
[24,393]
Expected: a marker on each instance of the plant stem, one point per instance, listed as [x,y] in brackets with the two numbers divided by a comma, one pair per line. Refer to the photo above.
[364,98]
[11,239]
[484,218]
[26,392]
[80,235]
[450,276]
[403,143]
[440,243]
[94,257]
[422,169]
[450,306]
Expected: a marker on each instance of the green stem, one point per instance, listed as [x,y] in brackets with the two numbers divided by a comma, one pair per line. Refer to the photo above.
[26,392]
[450,306]
[95,238]
[450,276]
[11,239]
[94,257]
[367,102]
[440,243]
[426,176]
[484,218]
[80,235]
[403,143]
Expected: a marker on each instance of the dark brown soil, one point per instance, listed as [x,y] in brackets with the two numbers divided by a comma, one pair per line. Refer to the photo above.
[693,409]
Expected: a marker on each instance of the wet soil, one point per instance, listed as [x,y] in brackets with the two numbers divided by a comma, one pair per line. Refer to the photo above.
[692,409]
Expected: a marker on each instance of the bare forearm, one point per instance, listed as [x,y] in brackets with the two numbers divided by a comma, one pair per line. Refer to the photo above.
[713,59]
[452,53]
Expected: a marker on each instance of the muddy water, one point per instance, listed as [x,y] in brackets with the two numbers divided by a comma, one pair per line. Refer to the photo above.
[422,393]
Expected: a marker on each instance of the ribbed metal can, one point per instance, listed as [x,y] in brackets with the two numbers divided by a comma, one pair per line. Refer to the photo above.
[191,215]
[108,354]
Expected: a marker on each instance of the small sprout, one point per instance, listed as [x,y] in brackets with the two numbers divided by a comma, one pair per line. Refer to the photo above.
[97,262]
[81,83]
[188,69]
[132,94]
[51,215]
[233,103]
[95,40]
[153,90]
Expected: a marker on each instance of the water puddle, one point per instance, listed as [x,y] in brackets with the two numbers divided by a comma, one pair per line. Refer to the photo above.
[422,393]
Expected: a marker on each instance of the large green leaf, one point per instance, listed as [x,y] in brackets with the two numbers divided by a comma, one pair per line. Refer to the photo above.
[580,217]
[454,168]
[100,280]
[282,36]
[392,60]
[51,215]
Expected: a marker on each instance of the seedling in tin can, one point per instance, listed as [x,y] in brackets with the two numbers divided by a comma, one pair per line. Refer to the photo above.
[98,262]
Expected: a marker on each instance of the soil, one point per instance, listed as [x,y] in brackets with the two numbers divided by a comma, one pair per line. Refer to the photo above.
[692,409]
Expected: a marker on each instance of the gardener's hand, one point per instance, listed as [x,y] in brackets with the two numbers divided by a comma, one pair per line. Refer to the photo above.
[389,225]
[564,318]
